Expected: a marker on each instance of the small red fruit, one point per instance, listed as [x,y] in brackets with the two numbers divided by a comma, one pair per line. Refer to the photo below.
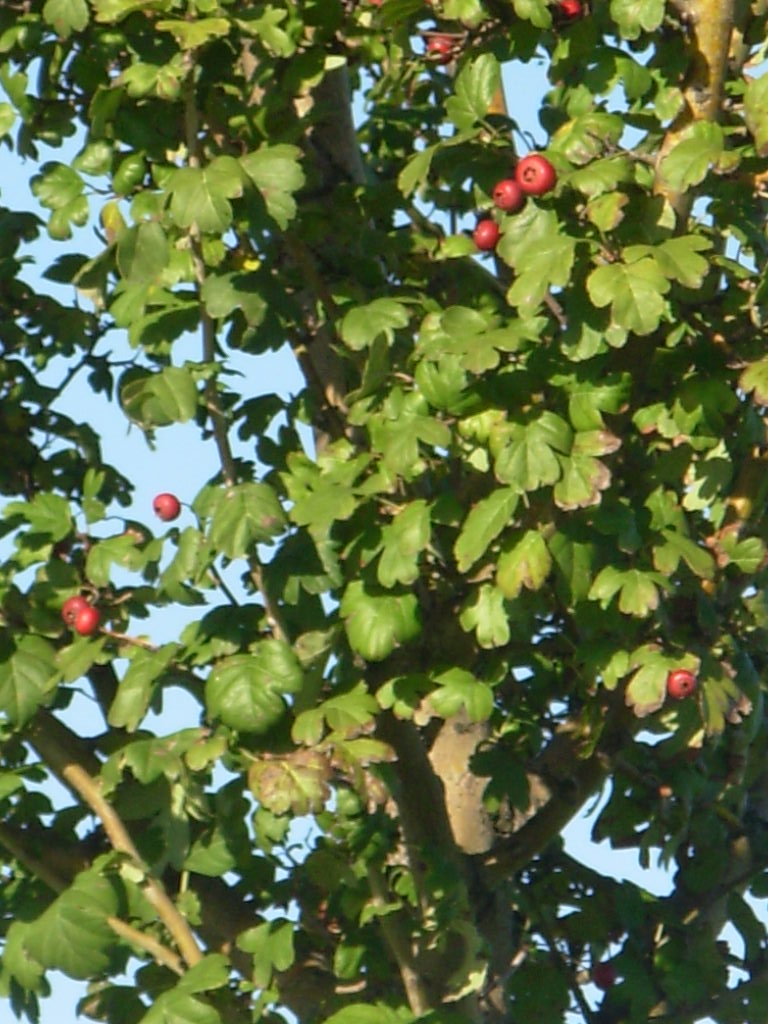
[604,975]
[508,196]
[570,8]
[535,175]
[87,620]
[440,48]
[166,507]
[486,234]
[71,607]
[680,683]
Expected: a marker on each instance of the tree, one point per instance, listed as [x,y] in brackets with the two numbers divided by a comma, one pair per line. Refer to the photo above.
[435,598]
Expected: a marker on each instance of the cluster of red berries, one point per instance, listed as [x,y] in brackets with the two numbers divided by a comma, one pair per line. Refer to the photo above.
[80,614]
[77,611]
[534,175]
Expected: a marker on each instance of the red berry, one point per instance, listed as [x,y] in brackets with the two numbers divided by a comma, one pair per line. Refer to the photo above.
[486,234]
[535,174]
[440,48]
[680,683]
[71,607]
[508,195]
[87,620]
[604,975]
[166,507]
[570,8]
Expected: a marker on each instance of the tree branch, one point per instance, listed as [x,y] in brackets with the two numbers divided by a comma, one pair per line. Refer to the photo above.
[46,740]
[48,868]
[572,778]
[396,938]
[712,23]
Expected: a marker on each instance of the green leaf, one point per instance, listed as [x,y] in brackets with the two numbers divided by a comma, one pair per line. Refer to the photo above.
[404,423]
[607,212]
[647,688]
[376,623]
[635,292]
[483,524]
[58,186]
[129,174]
[245,515]
[73,935]
[582,481]
[122,550]
[136,688]
[589,399]
[748,554]
[246,691]
[756,112]
[637,16]
[443,383]
[585,138]
[461,10]
[754,380]
[601,176]
[459,689]
[154,758]
[527,564]
[530,460]
[267,28]
[94,158]
[366,1013]
[179,1007]
[416,170]
[533,244]
[688,162]
[638,591]
[344,714]
[28,674]
[535,11]
[7,119]
[224,293]
[666,556]
[573,561]
[142,252]
[158,399]
[271,945]
[17,961]
[484,612]
[276,173]
[363,324]
[47,514]
[679,259]
[404,539]
[200,195]
[194,33]
[321,495]
[476,85]
[211,972]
